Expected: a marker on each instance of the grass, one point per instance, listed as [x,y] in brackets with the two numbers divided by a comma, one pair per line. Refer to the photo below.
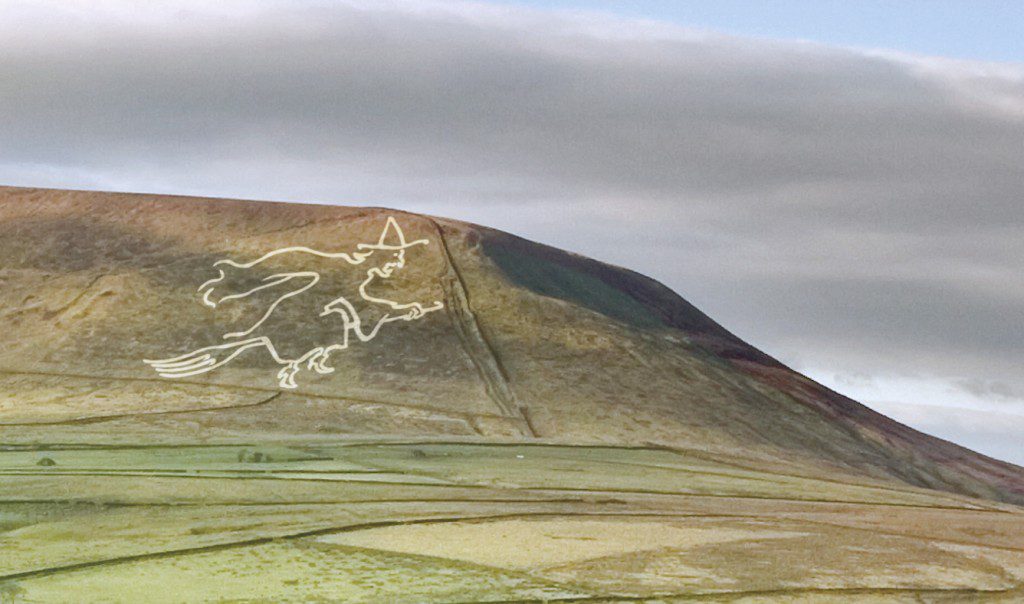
[434,521]
[295,571]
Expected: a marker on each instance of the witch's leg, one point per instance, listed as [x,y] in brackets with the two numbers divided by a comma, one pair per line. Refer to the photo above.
[286,376]
[319,362]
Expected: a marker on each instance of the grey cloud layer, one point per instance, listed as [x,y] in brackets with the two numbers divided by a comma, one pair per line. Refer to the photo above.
[824,203]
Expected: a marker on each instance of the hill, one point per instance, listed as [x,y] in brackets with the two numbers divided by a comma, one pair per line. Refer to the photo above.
[327,370]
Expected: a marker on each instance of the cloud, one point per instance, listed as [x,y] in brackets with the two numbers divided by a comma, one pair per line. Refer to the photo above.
[996,390]
[860,208]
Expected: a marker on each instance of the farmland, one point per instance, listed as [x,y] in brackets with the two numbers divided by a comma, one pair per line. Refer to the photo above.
[471,521]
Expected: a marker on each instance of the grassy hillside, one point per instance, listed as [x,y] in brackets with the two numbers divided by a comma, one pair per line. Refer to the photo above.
[555,429]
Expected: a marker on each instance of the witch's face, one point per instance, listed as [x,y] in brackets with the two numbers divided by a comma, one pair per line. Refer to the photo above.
[395,261]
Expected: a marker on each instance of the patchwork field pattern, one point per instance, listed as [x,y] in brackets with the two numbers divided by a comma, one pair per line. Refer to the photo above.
[473,522]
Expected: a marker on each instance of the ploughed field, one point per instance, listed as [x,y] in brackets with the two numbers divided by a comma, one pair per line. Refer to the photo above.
[470,521]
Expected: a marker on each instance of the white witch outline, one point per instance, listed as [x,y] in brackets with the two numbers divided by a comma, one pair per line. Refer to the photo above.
[208,358]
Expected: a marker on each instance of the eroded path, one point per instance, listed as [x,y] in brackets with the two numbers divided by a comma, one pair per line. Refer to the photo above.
[485,359]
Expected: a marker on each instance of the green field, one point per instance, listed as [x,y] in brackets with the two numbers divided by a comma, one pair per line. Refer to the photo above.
[475,522]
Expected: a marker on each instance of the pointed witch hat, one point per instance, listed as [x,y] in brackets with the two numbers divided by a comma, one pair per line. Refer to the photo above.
[391,238]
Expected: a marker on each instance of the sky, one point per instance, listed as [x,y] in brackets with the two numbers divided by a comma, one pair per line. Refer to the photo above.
[983,30]
[840,184]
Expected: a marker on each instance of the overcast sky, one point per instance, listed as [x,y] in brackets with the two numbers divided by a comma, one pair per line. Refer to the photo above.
[856,211]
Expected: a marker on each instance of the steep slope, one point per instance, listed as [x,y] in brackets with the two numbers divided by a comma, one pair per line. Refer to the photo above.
[510,340]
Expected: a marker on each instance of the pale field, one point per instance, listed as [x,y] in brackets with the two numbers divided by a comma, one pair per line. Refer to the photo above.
[523,544]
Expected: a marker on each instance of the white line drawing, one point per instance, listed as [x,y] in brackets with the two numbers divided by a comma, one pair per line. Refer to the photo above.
[392,240]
